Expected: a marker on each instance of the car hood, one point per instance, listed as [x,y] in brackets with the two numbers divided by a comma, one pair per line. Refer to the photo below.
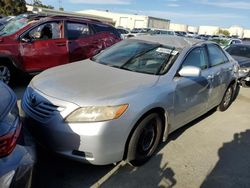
[87,83]
[243,61]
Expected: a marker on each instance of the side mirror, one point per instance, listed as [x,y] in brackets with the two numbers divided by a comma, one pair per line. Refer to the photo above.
[26,40]
[190,71]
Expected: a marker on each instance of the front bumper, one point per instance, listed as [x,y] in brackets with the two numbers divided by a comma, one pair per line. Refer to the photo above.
[98,143]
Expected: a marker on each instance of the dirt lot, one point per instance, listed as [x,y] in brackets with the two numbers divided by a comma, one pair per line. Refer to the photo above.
[212,151]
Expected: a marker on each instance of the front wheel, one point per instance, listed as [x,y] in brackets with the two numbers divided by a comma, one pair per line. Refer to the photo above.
[145,139]
[5,74]
[227,99]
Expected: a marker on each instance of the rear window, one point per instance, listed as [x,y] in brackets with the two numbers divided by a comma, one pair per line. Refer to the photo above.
[106,28]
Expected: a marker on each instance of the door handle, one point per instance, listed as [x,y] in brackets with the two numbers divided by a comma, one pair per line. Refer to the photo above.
[210,77]
[61,44]
[218,73]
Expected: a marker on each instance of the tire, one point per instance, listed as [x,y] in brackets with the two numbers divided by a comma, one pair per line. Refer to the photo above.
[145,139]
[227,99]
[6,73]
[245,83]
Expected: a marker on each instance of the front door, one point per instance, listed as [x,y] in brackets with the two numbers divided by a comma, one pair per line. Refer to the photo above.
[191,93]
[44,47]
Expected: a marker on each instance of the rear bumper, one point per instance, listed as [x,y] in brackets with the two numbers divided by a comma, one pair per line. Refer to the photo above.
[16,169]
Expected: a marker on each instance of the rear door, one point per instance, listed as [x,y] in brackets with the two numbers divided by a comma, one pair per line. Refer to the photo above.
[220,74]
[81,41]
[44,46]
[191,93]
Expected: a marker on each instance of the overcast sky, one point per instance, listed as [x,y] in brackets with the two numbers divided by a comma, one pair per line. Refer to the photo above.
[223,13]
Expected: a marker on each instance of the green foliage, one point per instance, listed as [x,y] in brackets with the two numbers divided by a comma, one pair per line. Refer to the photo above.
[39,3]
[223,32]
[12,7]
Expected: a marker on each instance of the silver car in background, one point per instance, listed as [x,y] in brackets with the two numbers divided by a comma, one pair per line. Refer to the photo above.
[120,104]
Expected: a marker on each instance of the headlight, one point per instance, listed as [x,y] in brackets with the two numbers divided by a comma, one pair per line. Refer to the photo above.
[244,70]
[96,113]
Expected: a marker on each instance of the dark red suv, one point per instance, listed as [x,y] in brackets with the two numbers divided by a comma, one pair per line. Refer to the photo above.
[34,43]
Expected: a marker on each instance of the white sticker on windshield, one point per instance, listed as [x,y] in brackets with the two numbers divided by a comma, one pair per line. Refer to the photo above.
[164,50]
[167,51]
[174,52]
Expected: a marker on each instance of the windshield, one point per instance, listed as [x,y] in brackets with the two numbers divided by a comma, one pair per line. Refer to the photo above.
[14,25]
[137,56]
[243,51]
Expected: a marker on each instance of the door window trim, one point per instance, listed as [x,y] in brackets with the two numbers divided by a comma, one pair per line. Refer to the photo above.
[209,58]
[188,53]
[91,31]
[42,23]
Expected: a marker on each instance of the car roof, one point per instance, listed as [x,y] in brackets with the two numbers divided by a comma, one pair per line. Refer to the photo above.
[174,41]
[242,44]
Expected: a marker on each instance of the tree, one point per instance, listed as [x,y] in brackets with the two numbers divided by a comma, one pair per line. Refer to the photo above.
[12,7]
[223,32]
[38,3]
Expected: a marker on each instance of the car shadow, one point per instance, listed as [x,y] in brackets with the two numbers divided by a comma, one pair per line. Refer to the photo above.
[155,173]
[233,167]
[53,171]
[180,131]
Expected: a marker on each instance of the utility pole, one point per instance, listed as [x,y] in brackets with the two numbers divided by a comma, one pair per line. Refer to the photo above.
[59,4]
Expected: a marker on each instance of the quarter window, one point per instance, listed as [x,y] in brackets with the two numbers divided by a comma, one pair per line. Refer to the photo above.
[197,58]
[216,55]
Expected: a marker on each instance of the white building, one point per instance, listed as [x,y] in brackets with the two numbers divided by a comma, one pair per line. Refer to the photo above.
[178,27]
[131,20]
[237,31]
[246,33]
[38,10]
[193,29]
[208,30]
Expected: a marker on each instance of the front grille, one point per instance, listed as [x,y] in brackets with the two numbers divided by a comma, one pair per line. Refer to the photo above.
[40,108]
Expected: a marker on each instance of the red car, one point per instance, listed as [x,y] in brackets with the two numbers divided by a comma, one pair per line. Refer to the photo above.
[33,43]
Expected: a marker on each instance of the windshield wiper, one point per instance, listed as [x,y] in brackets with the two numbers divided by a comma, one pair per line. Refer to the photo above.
[139,54]
[163,65]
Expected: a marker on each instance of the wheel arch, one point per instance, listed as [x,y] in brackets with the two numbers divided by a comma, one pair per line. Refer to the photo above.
[163,115]
[10,61]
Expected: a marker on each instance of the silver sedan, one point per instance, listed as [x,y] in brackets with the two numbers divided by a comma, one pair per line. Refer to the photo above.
[120,104]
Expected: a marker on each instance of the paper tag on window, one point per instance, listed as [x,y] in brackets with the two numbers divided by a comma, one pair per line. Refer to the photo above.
[167,51]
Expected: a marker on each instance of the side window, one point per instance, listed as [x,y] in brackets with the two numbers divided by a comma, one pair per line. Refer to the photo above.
[106,28]
[197,58]
[77,30]
[50,30]
[216,55]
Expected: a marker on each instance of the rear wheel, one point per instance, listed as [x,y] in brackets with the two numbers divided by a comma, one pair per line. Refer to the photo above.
[145,139]
[227,99]
[6,73]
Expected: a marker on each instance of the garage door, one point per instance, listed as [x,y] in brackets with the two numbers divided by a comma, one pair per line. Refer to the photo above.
[124,22]
[139,24]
